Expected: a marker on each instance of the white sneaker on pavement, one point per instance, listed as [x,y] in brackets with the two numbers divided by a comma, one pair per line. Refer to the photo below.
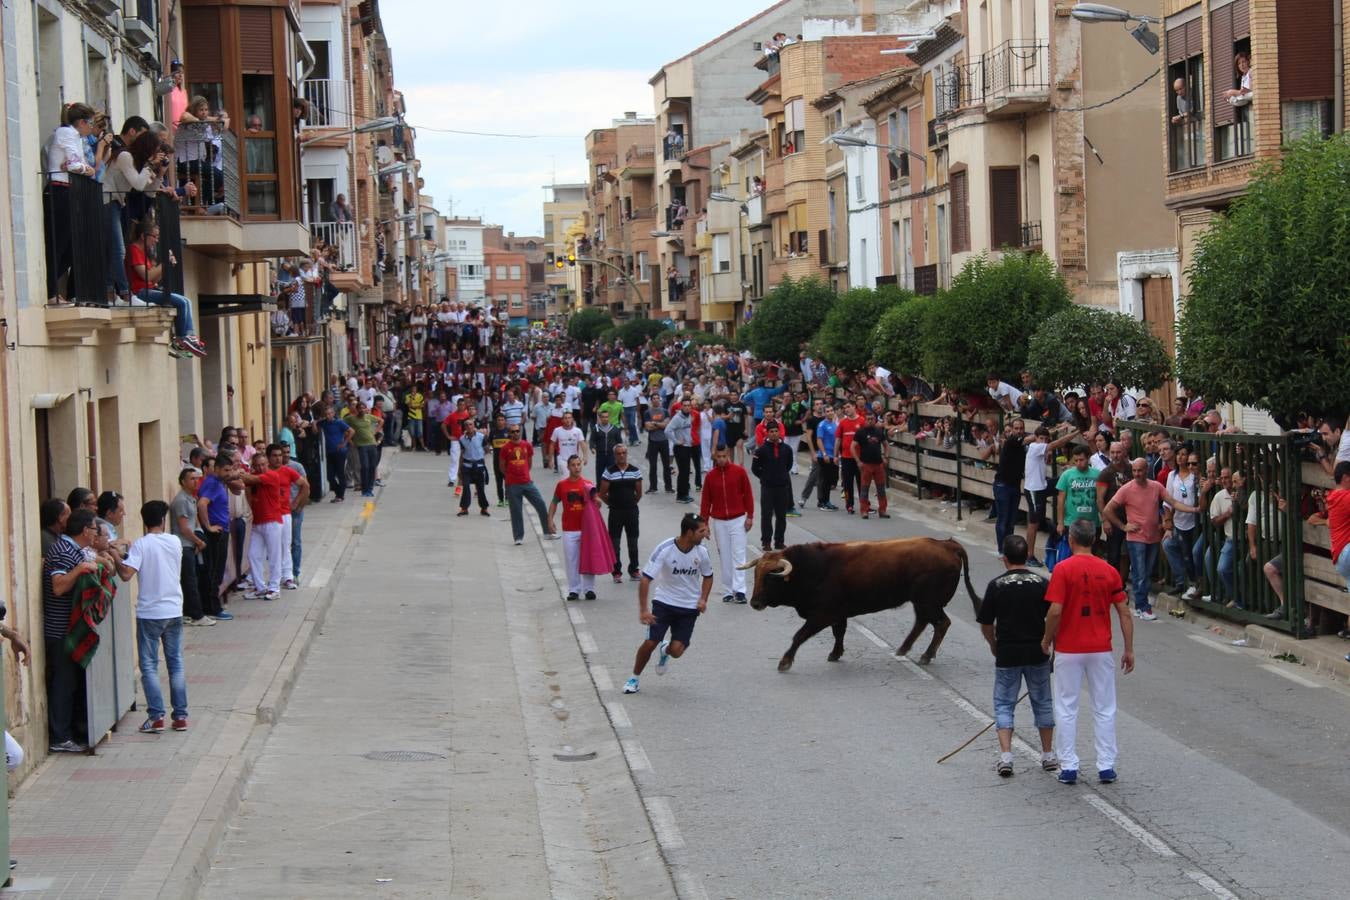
[1191,593]
[663,657]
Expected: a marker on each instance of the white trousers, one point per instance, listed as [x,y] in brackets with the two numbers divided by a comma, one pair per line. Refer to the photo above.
[576,582]
[265,555]
[791,440]
[729,536]
[1099,669]
[287,561]
[455,450]
[13,753]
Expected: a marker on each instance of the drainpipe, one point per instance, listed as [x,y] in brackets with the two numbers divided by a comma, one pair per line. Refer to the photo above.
[1338,63]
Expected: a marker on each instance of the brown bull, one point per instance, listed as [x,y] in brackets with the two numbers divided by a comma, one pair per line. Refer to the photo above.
[830,583]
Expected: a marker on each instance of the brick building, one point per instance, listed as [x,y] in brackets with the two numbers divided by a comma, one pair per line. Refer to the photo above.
[507,282]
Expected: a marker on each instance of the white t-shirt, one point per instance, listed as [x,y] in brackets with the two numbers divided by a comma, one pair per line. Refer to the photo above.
[572,397]
[1343,451]
[1005,390]
[366,395]
[1222,504]
[1033,478]
[678,576]
[1186,493]
[157,559]
[569,441]
[629,394]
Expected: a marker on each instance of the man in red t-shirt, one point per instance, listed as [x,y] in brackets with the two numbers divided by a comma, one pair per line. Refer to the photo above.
[269,494]
[1338,520]
[143,276]
[571,493]
[849,472]
[1083,591]
[516,457]
[453,428]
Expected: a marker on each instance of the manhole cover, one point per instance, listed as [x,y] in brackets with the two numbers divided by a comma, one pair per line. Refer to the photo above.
[403,756]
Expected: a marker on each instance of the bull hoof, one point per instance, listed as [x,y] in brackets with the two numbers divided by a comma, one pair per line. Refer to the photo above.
[901,652]
[835,656]
[925,659]
[784,664]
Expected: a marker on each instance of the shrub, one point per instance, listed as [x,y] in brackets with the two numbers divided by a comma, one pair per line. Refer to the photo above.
[790,316]
[897,339]
[635,332]
[845,337]
[586,325]
[1081,345]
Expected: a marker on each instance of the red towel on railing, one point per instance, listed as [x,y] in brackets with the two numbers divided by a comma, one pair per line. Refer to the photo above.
[92,596]
[597,553]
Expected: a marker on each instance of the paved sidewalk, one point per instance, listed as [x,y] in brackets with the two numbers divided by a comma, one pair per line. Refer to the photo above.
[139,818]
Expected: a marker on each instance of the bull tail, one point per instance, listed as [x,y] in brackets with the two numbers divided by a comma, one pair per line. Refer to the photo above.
[975,598]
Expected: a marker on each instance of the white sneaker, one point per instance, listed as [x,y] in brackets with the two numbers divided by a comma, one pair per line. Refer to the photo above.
[255,594]
[1149,616]
[290,585]
[137,301]
[1208,598]
[631,685]
[272,595]
[1191,593]
[202,622]
[663,657]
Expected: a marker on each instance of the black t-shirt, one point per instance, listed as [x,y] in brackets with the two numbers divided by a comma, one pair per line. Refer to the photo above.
[623,486]
[1015,604]
[792,418]
[736,413]
[871,443]
[812,423]
[1012,462]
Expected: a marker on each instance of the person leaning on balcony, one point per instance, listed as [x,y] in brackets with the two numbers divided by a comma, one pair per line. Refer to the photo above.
[341,211]
[1181,98]
[64,156]
[137,167]
[191,149]
[145,276]
[1242,65]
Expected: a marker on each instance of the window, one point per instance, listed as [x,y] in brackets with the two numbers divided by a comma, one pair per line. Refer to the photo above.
[893,138]
[500,273]
[721,252]
[1230,41]
[960,194]
[859,194]
[517,303]
[1005,208]
[1186,106]
[515,273]
[794,124]
[797,240]
[644,273]
[1307,68]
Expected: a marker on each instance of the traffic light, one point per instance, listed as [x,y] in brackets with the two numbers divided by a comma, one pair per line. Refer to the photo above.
[558,263]
[571,258]
[548,258]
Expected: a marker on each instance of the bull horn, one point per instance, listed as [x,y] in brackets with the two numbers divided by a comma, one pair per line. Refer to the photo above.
[784,569]
[750,565]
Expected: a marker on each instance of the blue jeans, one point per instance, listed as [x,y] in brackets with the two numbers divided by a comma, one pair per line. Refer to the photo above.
[1008,680]
[370,458]
[1225,569]
[117,248]
[1180,548]
[516,495]
[149,634]
[1008,500]
[1143,559]
[182,323]
[297,519]
[630,416]
[1343,564]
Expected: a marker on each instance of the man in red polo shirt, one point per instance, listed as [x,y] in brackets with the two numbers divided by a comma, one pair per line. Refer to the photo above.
[849,473]
[728,505]
[516,457]
[453,428]
[269,497]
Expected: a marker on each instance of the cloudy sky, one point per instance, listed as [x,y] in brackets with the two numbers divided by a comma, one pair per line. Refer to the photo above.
[536,68]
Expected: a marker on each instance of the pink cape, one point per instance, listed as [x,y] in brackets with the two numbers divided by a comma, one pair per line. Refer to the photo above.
[597,553]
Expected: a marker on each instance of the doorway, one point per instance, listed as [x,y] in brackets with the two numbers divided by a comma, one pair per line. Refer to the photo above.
[1160,314]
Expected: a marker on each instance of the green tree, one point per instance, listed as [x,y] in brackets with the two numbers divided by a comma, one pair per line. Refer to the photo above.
[897,339]
[1268,314]
[635,332]
[683,335]
[845,337]
[586,325]
[1081,345]
[983,323]
[790,316]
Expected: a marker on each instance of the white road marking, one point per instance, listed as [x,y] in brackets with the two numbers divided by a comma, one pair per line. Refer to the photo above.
[870,635]
[575,615]
[1130,826]
[687,886]
[636,756]
[600,675]
[1296,679]
[320,577]
[1211,885]
[588,645]
[618,715]
[975,712]
[1214,645]
[918,670]
[663,823]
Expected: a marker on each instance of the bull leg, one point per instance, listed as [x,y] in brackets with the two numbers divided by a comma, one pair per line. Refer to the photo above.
[939,632]
[913,636]
[839,628]
[804,634]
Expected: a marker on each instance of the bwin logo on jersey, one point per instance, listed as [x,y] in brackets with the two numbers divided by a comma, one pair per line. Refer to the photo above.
[676,570]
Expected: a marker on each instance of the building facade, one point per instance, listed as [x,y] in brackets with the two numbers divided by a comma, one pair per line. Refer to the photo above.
[565,206]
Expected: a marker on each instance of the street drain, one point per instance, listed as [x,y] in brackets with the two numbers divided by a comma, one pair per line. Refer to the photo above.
[403,756]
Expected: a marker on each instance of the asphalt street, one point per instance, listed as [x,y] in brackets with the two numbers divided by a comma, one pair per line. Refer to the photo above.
[821,782]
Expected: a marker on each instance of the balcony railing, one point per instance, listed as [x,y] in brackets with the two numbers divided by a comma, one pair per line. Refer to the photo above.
[1234,140]
[673,149]
[1186,141]
[960,86]
[320,94]
[338,234]
[208,160]
[639,153]
[754,210]
[1031,235]
[1017,75]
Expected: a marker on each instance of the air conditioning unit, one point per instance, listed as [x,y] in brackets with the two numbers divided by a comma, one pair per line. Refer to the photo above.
[104,8]
[140,33]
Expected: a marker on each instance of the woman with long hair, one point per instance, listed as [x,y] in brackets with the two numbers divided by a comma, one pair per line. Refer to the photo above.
[63,156]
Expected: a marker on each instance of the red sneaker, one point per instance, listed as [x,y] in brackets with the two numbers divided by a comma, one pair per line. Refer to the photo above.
[180,724]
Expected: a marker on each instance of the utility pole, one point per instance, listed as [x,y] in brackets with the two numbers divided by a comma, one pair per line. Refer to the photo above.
[642,301]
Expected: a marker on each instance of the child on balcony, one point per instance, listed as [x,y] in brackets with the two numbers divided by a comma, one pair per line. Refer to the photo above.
[144,275]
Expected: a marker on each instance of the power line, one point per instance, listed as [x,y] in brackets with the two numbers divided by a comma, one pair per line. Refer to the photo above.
[1120,96]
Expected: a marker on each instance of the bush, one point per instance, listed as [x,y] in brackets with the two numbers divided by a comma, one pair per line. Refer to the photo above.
[897,339]
[790,316]
[1269,307]
[698,338]
[845,337]
[586,325]
[984,322]
[1081,345]
[635,332]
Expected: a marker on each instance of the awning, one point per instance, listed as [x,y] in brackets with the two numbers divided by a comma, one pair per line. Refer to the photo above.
[234,304]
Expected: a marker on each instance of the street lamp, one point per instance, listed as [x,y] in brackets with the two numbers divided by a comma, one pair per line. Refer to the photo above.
[392,169]
[381,124]
[1093,13]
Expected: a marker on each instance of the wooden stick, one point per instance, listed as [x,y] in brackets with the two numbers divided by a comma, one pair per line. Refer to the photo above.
[976,735]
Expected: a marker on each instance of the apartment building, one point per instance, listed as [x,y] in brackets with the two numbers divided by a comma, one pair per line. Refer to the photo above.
[507,283]
[722,240]
[534,249]
[463,249]
[621,215]
[564,207]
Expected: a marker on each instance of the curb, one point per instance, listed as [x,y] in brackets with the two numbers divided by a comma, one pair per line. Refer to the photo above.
[188,873]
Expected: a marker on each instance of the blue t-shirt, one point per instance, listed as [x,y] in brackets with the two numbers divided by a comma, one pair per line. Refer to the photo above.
[719,433]
[760,397]
[334,434]
[825,438]
[218,509]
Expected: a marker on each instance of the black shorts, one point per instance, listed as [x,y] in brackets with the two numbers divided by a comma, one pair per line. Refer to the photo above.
[734,436]
[1036,501]
[679,620]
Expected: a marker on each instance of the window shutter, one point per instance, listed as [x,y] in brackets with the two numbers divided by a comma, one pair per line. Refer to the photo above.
[1304,31]
[1195,41]
[255,38]
[823,246]
[201,43]
[960,190]
[1222,72]
[1242,20]
[1005,214]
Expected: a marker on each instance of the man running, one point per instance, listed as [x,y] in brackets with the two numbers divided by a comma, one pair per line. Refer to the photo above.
[568,441]
[682,571]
